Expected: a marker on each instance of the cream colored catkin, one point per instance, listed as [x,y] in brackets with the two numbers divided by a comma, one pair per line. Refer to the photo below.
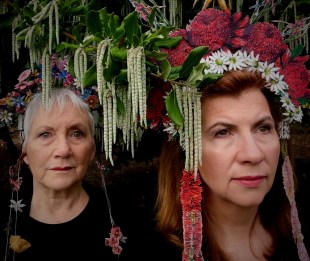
[190,119]
[50,28]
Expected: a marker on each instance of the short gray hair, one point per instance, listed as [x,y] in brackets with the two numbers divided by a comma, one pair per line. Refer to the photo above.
[61,97]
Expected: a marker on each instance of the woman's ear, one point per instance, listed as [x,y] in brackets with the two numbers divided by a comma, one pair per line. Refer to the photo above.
[25,158]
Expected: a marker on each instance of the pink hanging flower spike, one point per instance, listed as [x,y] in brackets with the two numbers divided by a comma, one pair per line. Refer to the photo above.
[290,193]
[190,195]
[116,235]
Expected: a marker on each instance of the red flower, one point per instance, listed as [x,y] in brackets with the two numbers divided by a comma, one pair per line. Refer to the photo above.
[217,29]
[190,195]
[296,75]
[156,108]
[92,101]
[177,55]
[266,40]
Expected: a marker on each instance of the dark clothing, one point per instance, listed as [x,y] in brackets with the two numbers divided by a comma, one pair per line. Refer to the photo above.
[82,238]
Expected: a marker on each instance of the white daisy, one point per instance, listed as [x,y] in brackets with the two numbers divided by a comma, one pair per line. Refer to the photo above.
[298,114]
[268,70]
[218,63]
[251,60]
[277,84]
[235,61]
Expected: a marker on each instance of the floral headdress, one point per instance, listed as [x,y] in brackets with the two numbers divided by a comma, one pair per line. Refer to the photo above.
[151,78]
[234,44]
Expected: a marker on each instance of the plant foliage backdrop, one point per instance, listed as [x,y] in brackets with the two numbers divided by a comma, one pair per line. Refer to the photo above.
[119,56]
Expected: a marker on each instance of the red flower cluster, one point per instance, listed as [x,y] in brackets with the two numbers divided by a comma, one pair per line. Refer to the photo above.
[190,195]
[156,109]
[211,27]
[217,29]
[266,40]
[295,74]
[178,55]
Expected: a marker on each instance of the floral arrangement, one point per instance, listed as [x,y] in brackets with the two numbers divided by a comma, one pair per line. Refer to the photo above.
[142,72]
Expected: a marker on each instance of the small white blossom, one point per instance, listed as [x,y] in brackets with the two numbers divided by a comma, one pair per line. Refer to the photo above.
[268,70]
[252,61]
[235,61]
[170,129]
[298,114]
[17,206]
[218,63]
[277,84]
[6,117]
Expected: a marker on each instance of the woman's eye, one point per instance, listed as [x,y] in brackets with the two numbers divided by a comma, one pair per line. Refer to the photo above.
[44,135]
[223,132]
[78,134]
[264,128]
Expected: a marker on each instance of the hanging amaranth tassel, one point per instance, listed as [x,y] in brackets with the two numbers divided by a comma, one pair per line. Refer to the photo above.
[289,188]
[190,195]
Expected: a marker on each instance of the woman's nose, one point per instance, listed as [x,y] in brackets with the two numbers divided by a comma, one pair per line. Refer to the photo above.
[62,147]
[249,150]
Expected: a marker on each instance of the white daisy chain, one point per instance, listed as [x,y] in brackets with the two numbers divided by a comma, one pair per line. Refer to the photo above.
[222,61]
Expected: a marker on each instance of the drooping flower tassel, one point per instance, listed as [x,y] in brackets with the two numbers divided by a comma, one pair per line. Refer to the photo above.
[190,196]
[288,181]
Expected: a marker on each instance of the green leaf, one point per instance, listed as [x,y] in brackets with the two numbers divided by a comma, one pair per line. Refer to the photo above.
[27,11]
[68,4]
[93,22]
[120,105]
[196,75]
[157,55]
[210,78]
[296,52]
[64,45]
[168,43]
[165,69]
[121,78]
[90,77]
[76,32]
[174,74]
[192,60]
[104,22]
[113,23]
[132,28]
[173,109]
[118,54]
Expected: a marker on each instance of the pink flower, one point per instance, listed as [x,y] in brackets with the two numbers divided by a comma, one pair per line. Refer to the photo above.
[24,75]
[266,40]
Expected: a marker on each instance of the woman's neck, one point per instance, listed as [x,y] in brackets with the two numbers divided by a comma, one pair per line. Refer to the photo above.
[238,231]
[55,207]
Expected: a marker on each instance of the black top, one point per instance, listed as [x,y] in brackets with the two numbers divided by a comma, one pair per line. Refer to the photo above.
[82,238]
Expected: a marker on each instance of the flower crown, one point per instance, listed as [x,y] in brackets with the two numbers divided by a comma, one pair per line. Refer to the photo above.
[233,44]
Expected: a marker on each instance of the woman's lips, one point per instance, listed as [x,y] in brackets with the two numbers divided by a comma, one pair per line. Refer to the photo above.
[250,181]
[61,168]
